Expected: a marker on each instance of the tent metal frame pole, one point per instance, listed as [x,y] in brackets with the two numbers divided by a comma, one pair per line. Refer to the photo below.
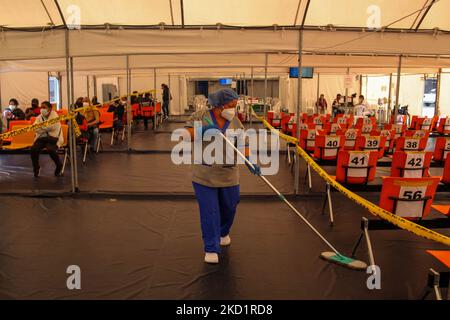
[437,110]
[265,84]
[60,102]
[154,99]
[397,93]
[318,91]
[388,115]
[252,92]
[129,120]
[74,138]
[170,100]
[70,107]
[94,79]
[87,87]
[299,109]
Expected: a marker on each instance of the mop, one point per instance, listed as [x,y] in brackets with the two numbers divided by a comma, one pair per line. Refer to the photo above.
[335,256]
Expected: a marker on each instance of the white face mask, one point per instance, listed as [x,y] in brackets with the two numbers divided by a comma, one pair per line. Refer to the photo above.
[12,107]
[229,114]
[85,104]
[44,112]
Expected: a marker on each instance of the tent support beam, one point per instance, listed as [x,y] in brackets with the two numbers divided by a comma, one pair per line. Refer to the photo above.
[265,84]
[155,124]
[48,13]
[299,109]
[437,110]
[397,93]
[424,15]
[129,120]
[72,146]
[388,116]
[61,14]
[182,13]
[252,92]
[306,13]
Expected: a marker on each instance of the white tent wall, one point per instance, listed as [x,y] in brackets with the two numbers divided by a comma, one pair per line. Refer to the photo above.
[375,87]
[411,93]
[444,98]
[309,94]
[23,86]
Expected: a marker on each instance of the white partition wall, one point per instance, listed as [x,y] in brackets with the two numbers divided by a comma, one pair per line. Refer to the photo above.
[23,86]
[411,93]
[444,99]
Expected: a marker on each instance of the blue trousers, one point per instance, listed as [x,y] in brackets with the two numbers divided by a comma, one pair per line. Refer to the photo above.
[217,211]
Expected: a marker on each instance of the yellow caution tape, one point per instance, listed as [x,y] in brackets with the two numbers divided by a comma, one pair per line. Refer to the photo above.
[374,209]
[68,117]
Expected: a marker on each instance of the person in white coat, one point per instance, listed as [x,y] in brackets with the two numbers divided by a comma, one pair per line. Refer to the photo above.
[362,108]
[49,138]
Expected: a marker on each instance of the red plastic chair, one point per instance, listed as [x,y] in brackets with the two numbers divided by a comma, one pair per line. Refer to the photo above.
[400,129]
[284,122]
[426,124]
[106,123]
[147,112]
[410,198]
[332,128]
[442,148]
[350,138]
[135,111]
[308,140]
[371,143]
[356,167]
[446,174]
[328,146]
[444,126]
[413,124]
[13,123]
[411,164]
[411,144]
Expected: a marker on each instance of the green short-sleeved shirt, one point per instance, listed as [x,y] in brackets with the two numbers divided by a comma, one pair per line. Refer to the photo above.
[215,175]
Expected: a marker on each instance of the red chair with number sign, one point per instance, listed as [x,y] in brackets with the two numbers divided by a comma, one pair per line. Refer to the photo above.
[411,144]
[410,198]
[350,138]
[441,149]
[328,146]
[372,143]
[308,140]
[444,126]
[356,167]
[411,164]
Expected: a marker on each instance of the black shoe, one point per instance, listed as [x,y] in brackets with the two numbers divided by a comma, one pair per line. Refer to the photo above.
[58,171]
[37,172]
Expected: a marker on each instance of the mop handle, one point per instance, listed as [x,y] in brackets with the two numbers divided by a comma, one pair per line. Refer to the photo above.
[280,195]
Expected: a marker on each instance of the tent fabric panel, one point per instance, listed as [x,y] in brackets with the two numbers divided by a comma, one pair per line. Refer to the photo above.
[23,86]
[119,12]
[241,13]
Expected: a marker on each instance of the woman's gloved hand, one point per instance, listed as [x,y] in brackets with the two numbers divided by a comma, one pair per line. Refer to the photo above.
[256,170]
[209,127]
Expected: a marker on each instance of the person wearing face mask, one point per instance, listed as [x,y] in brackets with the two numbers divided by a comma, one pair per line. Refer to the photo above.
[34,110]
[93,119]
[17,113]
[49,138]
[217,185]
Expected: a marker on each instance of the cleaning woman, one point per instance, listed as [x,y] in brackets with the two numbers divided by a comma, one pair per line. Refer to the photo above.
[217,185]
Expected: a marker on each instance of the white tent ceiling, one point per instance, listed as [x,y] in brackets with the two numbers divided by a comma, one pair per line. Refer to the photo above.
[398,14]
[106,48]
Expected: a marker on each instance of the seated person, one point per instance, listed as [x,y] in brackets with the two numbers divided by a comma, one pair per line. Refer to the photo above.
[50,138]
[93,119]
[118,108]
[95,101]
[34,110]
